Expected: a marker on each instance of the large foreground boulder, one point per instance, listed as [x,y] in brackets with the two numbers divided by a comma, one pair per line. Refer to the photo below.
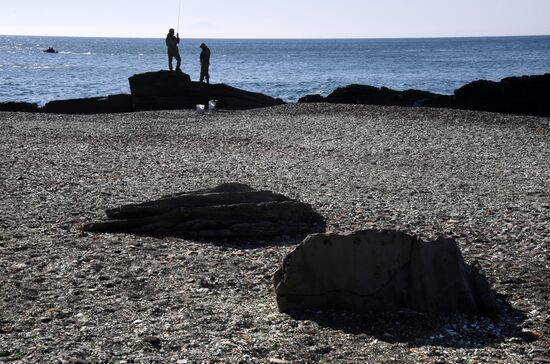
[380,271]
[227,211]
[165,90]
[93,105]
[18,106]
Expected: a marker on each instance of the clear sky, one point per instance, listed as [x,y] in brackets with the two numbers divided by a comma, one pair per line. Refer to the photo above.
[276,18]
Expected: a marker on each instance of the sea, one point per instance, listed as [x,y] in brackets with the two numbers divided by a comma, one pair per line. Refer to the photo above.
[284,68]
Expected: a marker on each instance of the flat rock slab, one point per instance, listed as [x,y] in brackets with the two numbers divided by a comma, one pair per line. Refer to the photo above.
[18,106]
[380,271]
[227,211]
[93,105]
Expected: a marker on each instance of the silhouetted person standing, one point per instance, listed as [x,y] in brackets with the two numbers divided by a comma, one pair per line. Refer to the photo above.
[173,50]
[205,63]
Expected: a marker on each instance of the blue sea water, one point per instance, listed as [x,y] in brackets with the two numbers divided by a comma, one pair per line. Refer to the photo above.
[287,69]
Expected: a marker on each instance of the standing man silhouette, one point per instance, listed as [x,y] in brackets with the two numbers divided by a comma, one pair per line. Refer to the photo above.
[173,50]
[205,63]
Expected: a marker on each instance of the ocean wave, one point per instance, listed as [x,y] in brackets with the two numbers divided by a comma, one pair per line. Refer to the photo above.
[78,54]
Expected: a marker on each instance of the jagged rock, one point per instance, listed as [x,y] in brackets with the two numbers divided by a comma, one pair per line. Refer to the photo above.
[380,271]
[227,211]
[173,90]
[94,105]
[528,95]
[18,106]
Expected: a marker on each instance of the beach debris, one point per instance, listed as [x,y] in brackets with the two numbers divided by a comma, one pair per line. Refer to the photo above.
[371,271]
[230,210]
[212,105]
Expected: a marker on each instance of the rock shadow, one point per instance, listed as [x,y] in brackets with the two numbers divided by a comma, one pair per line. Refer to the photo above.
[426,329]
[395,287]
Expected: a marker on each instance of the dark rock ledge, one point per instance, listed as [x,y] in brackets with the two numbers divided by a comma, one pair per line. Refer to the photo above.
[163,90]
[526,95]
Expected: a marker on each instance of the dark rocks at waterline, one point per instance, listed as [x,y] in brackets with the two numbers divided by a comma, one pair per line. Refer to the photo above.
[527,95]
[18,106]
[373,271]
[166,90]
[370,95]
[163,90]
[227,211]
[94,105]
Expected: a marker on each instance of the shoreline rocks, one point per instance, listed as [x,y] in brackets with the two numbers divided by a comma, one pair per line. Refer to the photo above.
[165,90]
[94,105]
[525,95]
[15,106]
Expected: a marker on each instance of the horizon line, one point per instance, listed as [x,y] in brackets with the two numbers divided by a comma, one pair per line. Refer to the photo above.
[284,38]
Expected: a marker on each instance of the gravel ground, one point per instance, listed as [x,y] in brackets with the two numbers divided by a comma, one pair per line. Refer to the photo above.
[71,297]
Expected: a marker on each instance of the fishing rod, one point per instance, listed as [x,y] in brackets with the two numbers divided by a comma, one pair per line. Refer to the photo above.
[179,16]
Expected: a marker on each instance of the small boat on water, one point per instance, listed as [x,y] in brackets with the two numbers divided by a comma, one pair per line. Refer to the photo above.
[50,50]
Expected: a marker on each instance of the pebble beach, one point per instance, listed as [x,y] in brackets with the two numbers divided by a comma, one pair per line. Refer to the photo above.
[72,297]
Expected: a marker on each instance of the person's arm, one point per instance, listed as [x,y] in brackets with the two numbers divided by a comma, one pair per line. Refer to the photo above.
[178,38]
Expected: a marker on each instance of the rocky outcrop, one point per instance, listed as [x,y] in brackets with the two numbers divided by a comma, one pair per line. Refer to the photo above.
[380,271]
[370,95]
[527,95]
[175,90]
[18,106]
[94,105]
[227,211]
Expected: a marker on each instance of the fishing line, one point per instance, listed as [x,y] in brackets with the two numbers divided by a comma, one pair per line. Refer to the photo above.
[179,15]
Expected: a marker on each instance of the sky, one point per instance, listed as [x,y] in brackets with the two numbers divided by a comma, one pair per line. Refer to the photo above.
[276,19]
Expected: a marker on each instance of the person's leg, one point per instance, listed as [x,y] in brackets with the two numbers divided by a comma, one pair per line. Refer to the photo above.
[178,64]
[207,74]
[202,73]
[170,58]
